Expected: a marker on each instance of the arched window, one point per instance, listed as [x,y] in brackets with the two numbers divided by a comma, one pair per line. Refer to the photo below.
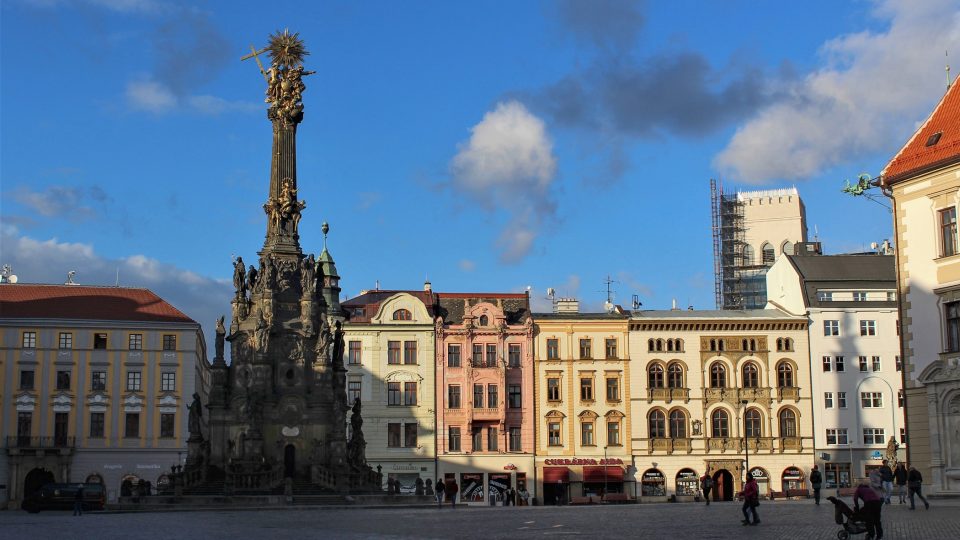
[787,248]
[720,345]
[678,424]
[484,320]
[784,375]
[718,375]
[751,377]
[721,423]
[657,425]
[779,344]
[744,346]
[679,345]
[402,315]
[674,376]
[752,423]
[655,376]
[670,345]
[713,344]
[769,254]
[788,423]
[753,345]
[650,344]
[748,255]
[659,345]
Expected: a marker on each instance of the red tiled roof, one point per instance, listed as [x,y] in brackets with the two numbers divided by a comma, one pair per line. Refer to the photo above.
[26,301]
[916,157]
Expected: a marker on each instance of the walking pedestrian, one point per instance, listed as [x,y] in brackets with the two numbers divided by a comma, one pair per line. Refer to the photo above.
[886,477]
[706,484]
[900,477]
[439,488]
[451,491]
[751,500]
[816,481]
[78,501]
[914,483]
[872,507]
[525,496]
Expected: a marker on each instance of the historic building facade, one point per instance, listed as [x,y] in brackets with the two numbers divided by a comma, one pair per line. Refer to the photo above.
[923,180]
[855,364]
[389,354]
[484,384]
[95,381]
[722,393]
[584,433]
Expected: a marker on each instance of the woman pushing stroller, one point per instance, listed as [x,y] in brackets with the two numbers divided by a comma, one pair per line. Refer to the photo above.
[871,508]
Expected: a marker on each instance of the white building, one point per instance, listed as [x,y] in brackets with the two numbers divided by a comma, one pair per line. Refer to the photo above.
[854,355]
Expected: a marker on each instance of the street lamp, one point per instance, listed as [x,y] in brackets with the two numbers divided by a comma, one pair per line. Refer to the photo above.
[746,445]
[605,470]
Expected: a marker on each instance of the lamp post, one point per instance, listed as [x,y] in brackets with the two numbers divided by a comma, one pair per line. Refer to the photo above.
[746,445]
[605,471]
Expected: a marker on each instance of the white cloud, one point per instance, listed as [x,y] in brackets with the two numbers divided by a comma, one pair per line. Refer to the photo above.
[869,95]
[467,265]
[508,163]
[150,96]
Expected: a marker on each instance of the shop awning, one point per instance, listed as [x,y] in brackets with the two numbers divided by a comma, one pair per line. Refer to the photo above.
[556,474]
[597,474]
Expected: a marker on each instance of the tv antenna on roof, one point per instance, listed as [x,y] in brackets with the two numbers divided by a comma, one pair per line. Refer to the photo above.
[7,275]
[70,275]
[610,292]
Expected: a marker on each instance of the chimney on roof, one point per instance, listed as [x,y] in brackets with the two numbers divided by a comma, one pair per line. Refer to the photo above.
[566,305]
[426,286]
[674,306]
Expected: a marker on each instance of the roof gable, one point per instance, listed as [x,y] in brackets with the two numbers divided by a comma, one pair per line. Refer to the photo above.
[926,150]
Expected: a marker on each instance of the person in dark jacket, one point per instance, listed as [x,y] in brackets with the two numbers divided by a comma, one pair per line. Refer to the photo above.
[451,491]
[900,478]
[751,500]
[439,488]
[706,484]
[886,479]
[78,502]
[914,483]
[872,507]
[816,482]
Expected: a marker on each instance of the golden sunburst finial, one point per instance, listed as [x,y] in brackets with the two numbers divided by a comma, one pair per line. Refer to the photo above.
[286,49]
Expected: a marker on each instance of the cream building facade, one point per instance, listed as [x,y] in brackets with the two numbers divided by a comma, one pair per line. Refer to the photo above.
[389,354]
[584,442]
[713,390]
[923,180]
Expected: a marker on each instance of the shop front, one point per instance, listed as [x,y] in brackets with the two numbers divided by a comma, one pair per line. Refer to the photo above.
[687,482]
[836,475]
[653,484]
[406,474]
[792,478]
[486,481]
[763,481]
[566,478]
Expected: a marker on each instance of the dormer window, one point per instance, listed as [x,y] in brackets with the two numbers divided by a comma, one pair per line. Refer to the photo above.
[484,320]
[934,139]
[402,315]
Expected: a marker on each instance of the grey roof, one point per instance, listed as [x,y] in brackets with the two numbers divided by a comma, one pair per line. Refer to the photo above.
[708,314]
[453,306]
[600,315]
[878,268]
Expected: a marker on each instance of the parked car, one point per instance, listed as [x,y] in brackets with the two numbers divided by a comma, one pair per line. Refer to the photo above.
[63,496]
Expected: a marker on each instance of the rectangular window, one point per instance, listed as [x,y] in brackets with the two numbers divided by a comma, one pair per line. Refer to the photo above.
[586,434]
[873,436]
[513,396]
[26,379]
[133,381]
[868,328]
[493,439]
[29,340]
[585,349]
[410,393]
[613,389]
[515,445]
[167,421]
[863,364]
[491,355]
[97,420]
[66,340]
[513,354]
[477,355]
[875,363]
[553,434]
[453,396]
[838,364]
[132,426]
[611,348]
[553,389]
[168,382]
[842,400]
[393,352]
[353,392]
[859,296]
[896,359]
[61,424]
[827,362]
[613,433]
[900,398]
[409,352]
[553,349]
[24,428]
[831,328]
[99,341]
[98,380]
[135,342]
[828,400]
[393,435]
[837,436]
[477,442]
[951,312]
[393,393]
[478,396]
[63,380]
[948,232]
[824,296]
[410,435]
[169,342]
[453,355]
[493,396]
[355,353]
[453,439]
[586,389]
[871,400]
[903,435]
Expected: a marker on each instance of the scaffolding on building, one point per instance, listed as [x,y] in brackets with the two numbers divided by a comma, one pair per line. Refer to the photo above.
[738,282]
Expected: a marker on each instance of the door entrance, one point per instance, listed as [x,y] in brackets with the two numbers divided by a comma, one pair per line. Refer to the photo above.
[722,485]
[35,480]
[289,461]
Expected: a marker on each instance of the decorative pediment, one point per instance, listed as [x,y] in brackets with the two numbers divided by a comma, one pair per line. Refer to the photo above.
[25,403]
[62,402]
[485,315]
[167,404]
[132,403]
[555,414]
[614,415]
[402,308]
[944,369]
[97,403]
[588,415]
[403,376]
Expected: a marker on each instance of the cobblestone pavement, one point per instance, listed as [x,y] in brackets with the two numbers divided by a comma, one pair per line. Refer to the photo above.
[784,519]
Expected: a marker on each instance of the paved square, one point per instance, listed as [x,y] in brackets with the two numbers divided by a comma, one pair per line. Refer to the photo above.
[785,519]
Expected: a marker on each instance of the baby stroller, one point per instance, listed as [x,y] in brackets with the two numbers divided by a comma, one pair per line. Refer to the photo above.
[852,522]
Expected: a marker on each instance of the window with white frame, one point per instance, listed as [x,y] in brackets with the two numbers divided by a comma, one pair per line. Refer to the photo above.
[898,362]
[168,382]
[827,363]
[948,231]
[838,364]
[828,400]
[837,436]
[871,400]
[875,363]
[863,364]
[842,400]
[900,398]
[66,340]
[825,296]
[133,381]
[868,328]
[873,436]
[135,342]
[859,296]
[29,340]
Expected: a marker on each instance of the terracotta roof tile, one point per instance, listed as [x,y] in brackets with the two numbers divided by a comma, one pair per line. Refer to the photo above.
[916,157]
[26,301]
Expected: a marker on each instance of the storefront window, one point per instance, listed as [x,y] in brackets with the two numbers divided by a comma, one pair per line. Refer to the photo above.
[687,482]
[471,487]
[836,475]
[652,484]
[498,485]
[792,478]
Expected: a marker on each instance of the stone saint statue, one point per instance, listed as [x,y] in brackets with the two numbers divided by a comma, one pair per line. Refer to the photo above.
[323,344]
[221,335]
[308,279]
[262,333]
[239,277]
[356,447]
[252,278]
[193,422]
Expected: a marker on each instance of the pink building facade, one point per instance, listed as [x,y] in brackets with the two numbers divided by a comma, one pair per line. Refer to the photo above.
[485,387]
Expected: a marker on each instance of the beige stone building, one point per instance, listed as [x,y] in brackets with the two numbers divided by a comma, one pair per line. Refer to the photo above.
[584,439]
[714,390]
[923,180]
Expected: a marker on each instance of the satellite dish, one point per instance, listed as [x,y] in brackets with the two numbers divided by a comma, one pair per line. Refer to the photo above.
[12,279]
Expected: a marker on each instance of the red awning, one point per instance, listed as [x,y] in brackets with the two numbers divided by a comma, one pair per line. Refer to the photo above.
[556,474]
[596,474]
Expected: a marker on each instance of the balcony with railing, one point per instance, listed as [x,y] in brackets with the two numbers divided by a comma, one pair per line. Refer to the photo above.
[788,392]
[487,413]
[668,394]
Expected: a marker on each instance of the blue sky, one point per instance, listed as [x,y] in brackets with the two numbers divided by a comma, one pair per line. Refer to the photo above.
[487,145]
